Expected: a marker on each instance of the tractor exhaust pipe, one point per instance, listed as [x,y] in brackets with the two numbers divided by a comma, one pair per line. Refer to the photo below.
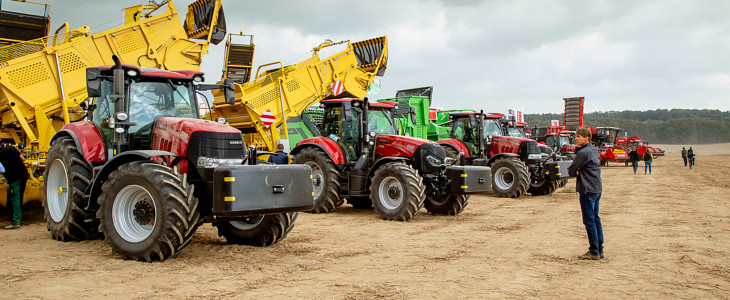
[120,106]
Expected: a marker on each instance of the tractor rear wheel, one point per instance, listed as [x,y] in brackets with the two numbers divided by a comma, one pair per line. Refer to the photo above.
[325,179]
[66,179]
[147,211]
[258,231]
[360,202]
[452,155]
[448,205]
[397,192]
[510,177]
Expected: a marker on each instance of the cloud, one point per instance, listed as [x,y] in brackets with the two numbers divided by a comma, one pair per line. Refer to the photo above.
[620,55]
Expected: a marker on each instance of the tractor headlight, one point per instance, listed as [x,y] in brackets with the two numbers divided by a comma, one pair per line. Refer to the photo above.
[212,162]
[122,116]
[536,156]
[434,161]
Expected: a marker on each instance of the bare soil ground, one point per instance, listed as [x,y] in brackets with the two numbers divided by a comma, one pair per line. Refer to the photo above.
[666,237]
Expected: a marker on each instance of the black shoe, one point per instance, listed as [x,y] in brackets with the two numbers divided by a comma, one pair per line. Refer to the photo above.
[601,256]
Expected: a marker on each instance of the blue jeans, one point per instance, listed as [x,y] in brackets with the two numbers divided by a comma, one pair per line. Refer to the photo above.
[635,165]
[691,162]
[647,164]
[589,209]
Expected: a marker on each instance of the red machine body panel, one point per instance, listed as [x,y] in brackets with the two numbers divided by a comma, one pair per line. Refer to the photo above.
[329,146]
[398,146]
[459,145]
[90,140]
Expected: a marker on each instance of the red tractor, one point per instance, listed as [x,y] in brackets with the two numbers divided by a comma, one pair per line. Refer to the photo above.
[145,172]
[604,138]
[562,142]
[359,157]
[519,165]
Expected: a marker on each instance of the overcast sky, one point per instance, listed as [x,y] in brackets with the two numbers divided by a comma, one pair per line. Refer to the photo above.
[528,55]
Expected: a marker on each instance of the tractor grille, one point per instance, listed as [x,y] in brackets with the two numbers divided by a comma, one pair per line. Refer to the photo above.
[215,144]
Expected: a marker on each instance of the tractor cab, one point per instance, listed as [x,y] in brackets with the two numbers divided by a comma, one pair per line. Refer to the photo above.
[151,94]
[470,127]
[343,123]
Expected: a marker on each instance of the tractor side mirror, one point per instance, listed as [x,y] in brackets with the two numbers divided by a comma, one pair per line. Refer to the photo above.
[229,91]
[93,82]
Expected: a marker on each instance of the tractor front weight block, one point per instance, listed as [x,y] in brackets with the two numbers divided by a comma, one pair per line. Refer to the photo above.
[469,179]
[558,170]
[242,191]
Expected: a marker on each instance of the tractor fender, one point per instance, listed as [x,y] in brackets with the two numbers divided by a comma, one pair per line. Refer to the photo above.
[87,138]
[376,165]
[330,147]
[456,144]
[500,155]
[117,161]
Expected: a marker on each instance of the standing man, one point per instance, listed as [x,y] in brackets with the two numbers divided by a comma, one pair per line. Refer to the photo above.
[586,168]
[684,156]
[16,175]
[648,158]
[280,157]
[691,157]
[634,158]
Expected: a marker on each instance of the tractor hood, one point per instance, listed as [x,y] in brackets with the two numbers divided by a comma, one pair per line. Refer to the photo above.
[396,145]
[174,134]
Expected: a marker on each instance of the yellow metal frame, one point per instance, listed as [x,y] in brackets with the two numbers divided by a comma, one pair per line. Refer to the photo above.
[288,91]
[43,81]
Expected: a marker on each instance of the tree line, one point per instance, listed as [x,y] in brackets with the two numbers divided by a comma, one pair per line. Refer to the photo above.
[661,126]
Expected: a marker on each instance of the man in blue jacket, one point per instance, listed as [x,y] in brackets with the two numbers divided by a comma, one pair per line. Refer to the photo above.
[586,167]
[280,157]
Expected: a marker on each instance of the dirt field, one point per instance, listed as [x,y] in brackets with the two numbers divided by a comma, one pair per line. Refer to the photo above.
[666,237]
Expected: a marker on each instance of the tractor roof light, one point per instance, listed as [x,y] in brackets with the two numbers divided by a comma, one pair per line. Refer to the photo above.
[132,73]
[221,120]
[198,78]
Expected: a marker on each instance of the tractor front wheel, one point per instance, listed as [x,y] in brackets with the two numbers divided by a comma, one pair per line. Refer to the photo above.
[147,211]
[66,179]
[397,192]
[510,177]
[543,187]
[258,231]
[325,179]
[447,205]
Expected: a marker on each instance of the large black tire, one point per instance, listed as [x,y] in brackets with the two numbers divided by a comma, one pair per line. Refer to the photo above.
[562,183]
[360,202]
[449,205]
[147,211]
[451,153]
[397,192]
[325,179]
[543,187]
[509,177]
[67,176]
[258,231]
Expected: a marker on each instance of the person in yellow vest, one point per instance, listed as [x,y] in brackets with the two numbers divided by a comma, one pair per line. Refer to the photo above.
[648,158]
